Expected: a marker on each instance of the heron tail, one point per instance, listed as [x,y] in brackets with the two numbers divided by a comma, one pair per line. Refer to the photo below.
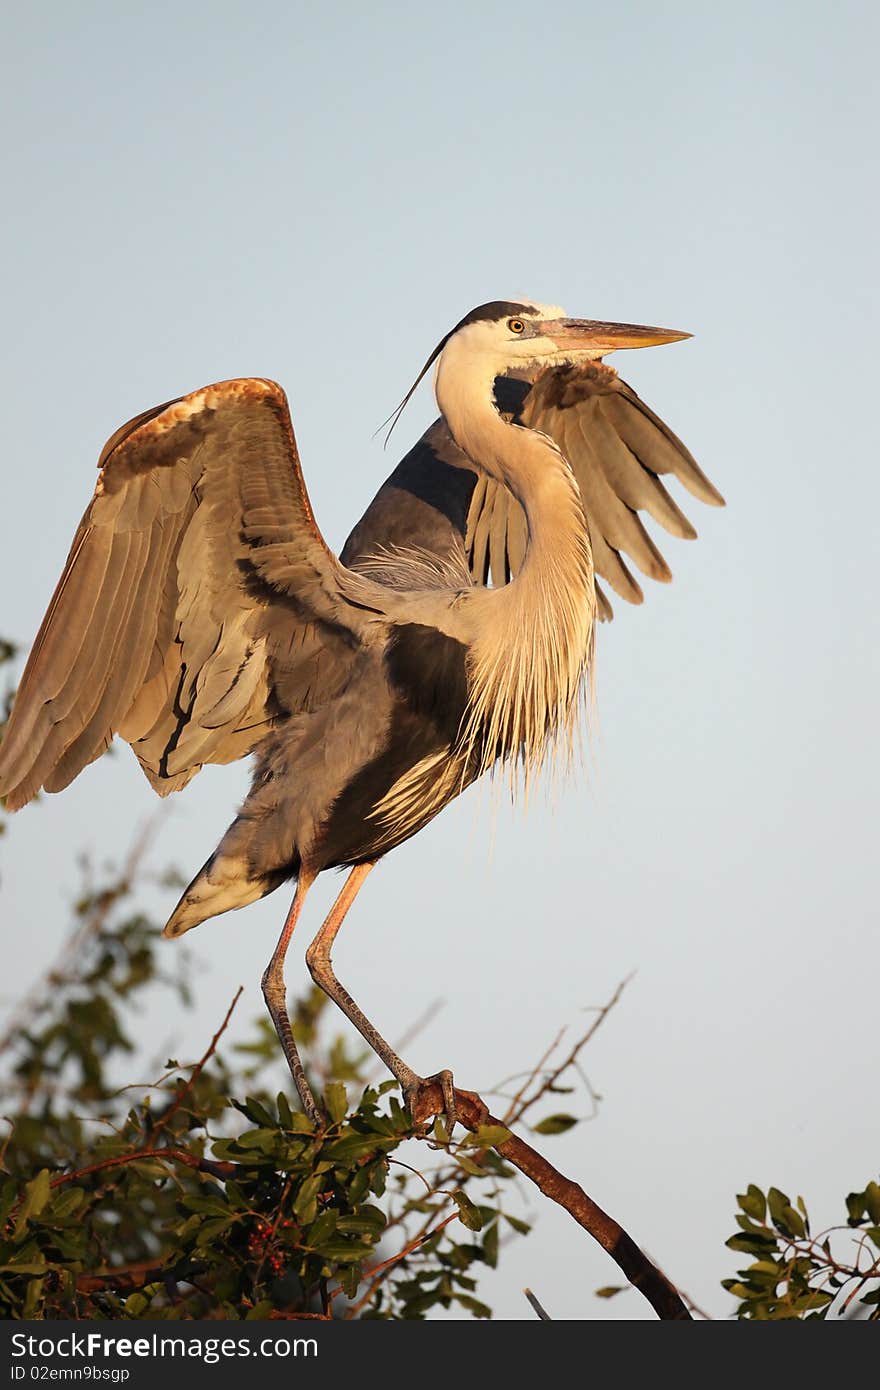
[221,885]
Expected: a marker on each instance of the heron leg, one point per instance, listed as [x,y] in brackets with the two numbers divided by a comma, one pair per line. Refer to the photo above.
[275,995]
[318,961]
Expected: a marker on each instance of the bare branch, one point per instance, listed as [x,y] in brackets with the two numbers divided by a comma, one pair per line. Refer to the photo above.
[472,1112]
[198,1067]
[521,1103]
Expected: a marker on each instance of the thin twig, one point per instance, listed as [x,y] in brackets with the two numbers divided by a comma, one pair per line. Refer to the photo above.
[517,1107]
[534,1073]
[217,1169]
[375,1274]
[695,1307]
[541,1311]
[198,1068]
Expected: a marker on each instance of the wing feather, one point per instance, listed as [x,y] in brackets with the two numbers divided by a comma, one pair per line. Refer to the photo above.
[199,600]
[617,449]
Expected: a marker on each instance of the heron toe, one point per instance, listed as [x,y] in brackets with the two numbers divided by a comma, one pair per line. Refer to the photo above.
[428,1096]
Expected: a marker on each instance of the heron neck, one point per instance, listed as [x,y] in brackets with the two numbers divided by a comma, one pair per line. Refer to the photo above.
[529,660]
[530,465]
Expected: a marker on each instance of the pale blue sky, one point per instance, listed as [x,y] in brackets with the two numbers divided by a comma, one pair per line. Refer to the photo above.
[316,193]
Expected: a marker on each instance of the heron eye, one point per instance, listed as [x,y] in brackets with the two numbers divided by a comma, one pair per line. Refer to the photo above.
[516,325]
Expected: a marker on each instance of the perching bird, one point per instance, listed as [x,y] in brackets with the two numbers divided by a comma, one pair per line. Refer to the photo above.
[202,617]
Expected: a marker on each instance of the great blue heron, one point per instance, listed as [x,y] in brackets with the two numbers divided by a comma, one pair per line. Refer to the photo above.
[202,617]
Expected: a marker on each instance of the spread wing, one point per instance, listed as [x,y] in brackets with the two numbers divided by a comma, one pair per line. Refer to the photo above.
[198,604]
[618,450]
[617,447]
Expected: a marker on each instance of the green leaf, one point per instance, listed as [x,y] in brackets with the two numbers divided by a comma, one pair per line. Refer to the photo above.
[66,1201]
[470,1216]
[489,1136]
[855,1205]
[321,1229]
[336,1101]
[36,1194]
[209,1229]
[777,1202]
[522,1227]
[490,1246]
[264,1140]
[306,1202]
[794,1221]
[753,1202]
[745,1223]
[554,1124]
[468,1166]
[610,1290]
[151,1168]
[341,1252]
[738,1290]
[367,1220]
[300,1123]
[473,1305]
[751,1244]
[256,1111]
[352,1147]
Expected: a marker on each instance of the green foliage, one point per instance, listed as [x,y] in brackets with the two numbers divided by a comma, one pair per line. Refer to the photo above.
[172,1200]
[795,1274]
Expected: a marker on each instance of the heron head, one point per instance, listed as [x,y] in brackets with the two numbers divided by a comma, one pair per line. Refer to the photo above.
[509,334]
[505,335]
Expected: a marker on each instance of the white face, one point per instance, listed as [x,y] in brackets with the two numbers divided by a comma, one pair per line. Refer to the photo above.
[532,337]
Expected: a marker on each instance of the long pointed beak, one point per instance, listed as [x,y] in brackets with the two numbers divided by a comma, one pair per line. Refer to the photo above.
[584,335]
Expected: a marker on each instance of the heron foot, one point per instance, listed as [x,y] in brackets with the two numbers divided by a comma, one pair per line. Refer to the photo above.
[427,1096]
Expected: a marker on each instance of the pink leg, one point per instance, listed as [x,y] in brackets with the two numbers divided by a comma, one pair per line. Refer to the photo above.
[318,961]
[275,994]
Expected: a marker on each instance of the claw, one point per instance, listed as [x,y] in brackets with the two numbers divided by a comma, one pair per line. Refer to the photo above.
[428,1096]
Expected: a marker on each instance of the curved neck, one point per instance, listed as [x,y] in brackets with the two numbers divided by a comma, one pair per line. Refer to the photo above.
[526,462]
[531,649]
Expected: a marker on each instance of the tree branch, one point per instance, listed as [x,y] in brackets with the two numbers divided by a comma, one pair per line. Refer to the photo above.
[217,1169]
[472,1112]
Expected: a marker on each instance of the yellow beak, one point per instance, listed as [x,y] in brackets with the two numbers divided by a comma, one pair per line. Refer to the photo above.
[584,335]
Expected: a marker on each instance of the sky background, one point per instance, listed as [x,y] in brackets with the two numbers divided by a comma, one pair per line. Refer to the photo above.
[316,194]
